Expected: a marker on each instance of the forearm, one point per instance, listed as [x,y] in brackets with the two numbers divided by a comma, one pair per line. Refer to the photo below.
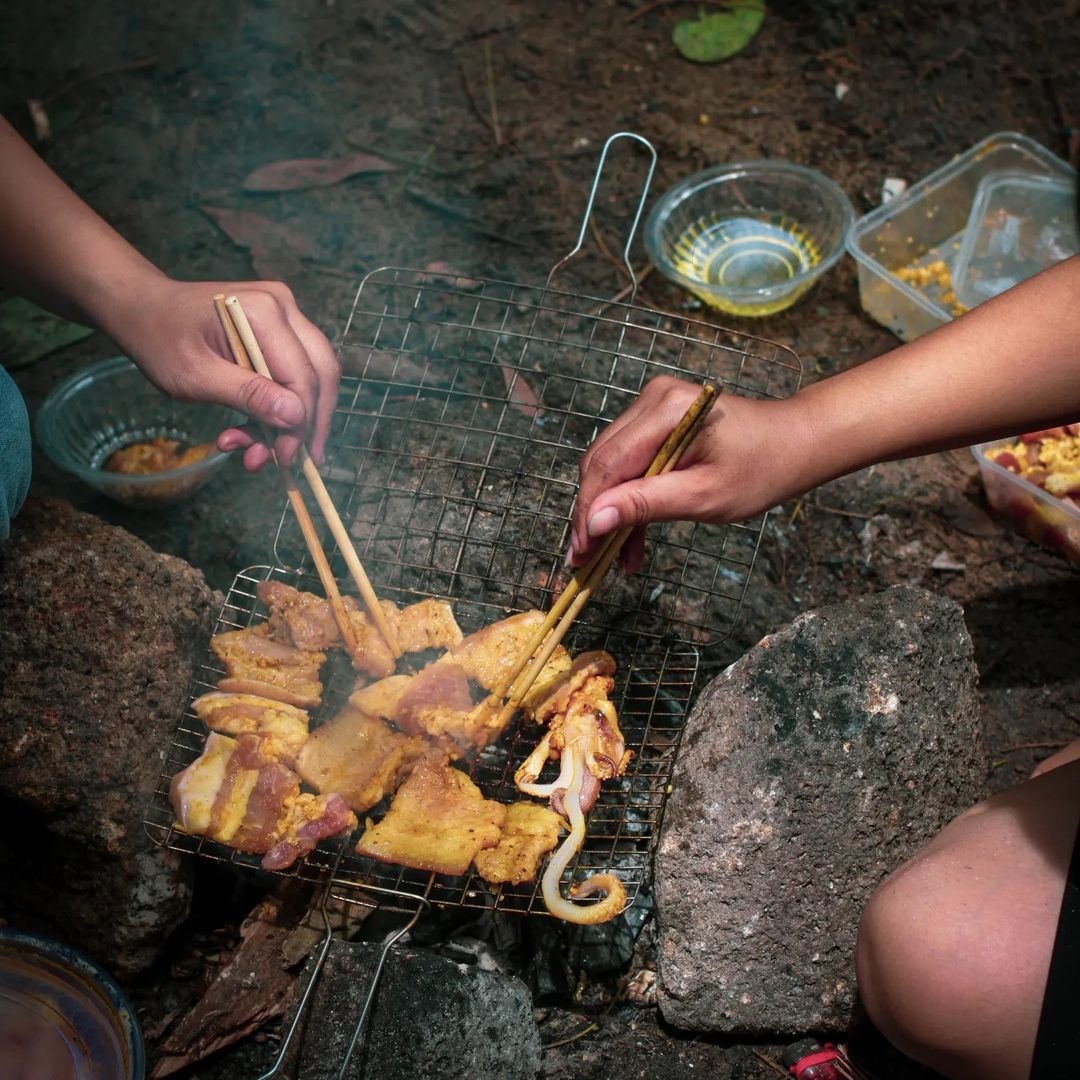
[1010,365]
[54,248]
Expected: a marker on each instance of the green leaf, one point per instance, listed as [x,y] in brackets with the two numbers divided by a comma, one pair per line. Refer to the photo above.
[720,35]
[27,333]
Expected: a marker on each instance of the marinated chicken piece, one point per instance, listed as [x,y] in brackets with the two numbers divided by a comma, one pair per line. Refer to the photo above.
[358,756]
[283,728]
[301,619]
[258,665]
[430,624]
[530,832]
[232,794]
[489,654]
[550,694]
[460,731]
[589,731]
[438,820]
[156,455]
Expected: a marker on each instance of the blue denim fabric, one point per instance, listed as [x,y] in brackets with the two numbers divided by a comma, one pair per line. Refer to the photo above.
[14,452]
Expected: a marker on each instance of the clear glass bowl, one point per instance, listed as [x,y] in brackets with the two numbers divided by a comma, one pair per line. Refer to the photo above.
[110,405]
[751,237]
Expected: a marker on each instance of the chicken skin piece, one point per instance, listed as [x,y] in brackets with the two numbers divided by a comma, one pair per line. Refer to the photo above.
[438,820]
[359,757]
[550,694]
[256,664]
[530,832]
[283,728]
[232,794]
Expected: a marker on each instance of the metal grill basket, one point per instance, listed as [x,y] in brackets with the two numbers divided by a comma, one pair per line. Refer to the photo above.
[463,414]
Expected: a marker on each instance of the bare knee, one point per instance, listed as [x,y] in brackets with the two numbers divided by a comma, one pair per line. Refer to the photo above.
[942,978]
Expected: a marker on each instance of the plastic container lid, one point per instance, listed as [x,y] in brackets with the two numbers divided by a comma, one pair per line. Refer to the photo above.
[1020,223]
[62,1016]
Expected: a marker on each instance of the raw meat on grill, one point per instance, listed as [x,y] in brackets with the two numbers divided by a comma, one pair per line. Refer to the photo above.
[283,728]
[233,794]
[359,757]
[438,821]
[256,664]
[530,832]
[301,619]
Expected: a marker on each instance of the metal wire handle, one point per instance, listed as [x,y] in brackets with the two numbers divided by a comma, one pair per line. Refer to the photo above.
[592,199]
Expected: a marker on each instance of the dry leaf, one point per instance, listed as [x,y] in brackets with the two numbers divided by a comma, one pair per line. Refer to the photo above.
[299,173]
[520,394]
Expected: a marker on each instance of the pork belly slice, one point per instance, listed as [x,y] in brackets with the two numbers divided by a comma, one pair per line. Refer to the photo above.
[380,698]
[438,821]
[373,655]
[301,619]
[283,728]
[256,664]
[359,757]
[429,624]
[233,794]
[488,654]
[530,832]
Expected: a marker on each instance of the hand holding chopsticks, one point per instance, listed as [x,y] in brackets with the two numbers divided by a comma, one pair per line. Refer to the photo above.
[247,353]
[586,579]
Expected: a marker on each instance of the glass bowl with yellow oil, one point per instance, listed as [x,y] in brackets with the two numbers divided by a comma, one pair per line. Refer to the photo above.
[749,238]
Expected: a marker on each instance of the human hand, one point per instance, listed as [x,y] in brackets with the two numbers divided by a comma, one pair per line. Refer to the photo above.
[748,456]
[175,337]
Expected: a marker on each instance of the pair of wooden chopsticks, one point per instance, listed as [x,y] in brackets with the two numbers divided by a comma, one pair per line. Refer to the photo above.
[573,598]
[247,354]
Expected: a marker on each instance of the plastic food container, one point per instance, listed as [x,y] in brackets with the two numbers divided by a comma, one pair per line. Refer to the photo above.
[111,405]
[923,229]
[61,1016]
[749,238]
[1040,516]
[1020,223]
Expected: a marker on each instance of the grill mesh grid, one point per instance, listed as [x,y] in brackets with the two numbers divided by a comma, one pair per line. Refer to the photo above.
[462,417]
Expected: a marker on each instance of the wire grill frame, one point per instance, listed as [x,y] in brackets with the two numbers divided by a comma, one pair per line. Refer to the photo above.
[465,409]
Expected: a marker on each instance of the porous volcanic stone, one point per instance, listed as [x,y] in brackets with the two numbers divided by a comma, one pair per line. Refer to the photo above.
[809,769]
[97,638]
[432,1019]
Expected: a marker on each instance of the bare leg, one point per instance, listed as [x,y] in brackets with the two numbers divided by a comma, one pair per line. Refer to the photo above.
[954,947]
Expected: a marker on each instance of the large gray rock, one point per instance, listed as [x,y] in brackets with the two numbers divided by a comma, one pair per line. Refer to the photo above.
[809,769]
[98,634]
[432,1019]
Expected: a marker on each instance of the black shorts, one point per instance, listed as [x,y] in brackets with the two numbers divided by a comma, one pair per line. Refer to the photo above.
[1057,1044]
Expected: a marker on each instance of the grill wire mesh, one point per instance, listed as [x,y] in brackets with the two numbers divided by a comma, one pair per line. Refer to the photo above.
[463,414]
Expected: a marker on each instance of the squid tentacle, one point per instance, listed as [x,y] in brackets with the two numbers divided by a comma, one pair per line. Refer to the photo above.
[583,914]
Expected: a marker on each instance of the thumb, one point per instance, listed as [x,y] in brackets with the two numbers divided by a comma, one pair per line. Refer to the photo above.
[670,497]
[261,399]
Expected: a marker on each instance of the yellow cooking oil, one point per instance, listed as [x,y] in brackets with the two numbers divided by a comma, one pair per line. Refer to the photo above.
[738,254]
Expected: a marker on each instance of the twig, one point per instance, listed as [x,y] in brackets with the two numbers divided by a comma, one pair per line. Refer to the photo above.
[843,513]
[775,1066]
[489,72]
[1049,744]
[135,65]
[485,120]
[588,1029]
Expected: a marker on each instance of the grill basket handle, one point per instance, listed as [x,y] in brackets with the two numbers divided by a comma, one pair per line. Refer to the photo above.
[570,255]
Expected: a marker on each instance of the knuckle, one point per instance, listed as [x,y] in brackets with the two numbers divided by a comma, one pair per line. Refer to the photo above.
[638,504]
[257,396]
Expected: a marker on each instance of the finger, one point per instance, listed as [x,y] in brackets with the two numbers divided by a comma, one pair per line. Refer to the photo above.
[232,439]
[285,354]
[261,399]
[679,495]
[287,447]
[256,456]
[328,370]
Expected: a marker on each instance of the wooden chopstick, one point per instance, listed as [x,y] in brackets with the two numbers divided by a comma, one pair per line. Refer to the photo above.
[296,499]
[576,594]
[322,496]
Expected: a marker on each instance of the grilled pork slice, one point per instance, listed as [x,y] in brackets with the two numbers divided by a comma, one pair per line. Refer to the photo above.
[550,695]
[283,728]
[530,832]
[429,624]
[489,654]
[437,821]
[256,664]
[380,698]
[233,794]
[359,757]
[301,619]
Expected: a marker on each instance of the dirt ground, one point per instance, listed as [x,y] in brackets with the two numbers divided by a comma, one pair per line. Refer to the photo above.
[159,111]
